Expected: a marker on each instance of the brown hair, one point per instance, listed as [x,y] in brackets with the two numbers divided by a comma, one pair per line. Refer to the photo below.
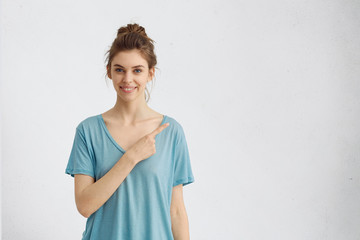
[132,36]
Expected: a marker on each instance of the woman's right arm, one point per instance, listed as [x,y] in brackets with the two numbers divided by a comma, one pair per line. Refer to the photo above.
[91,195]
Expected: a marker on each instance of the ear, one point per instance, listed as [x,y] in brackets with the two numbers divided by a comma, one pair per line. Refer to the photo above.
[108,72]
[151,73]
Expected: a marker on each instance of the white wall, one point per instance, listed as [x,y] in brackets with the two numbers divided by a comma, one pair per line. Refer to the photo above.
[267,93]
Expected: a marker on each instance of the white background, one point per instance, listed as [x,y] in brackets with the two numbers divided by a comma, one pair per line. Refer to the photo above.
[267,93]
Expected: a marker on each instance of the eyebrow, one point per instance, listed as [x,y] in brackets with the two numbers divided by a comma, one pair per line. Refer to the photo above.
[137,66]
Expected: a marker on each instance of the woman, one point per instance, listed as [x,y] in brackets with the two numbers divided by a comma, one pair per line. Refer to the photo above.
[130,163]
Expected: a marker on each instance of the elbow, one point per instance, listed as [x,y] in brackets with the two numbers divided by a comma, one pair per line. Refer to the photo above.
[85,214]
[84,210]
[83,206]
[178,213]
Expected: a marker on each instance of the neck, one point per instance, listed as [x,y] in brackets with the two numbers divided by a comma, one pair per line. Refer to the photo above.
[131,112]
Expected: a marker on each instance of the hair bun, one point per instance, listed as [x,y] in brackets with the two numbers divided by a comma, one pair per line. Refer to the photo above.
[132,28]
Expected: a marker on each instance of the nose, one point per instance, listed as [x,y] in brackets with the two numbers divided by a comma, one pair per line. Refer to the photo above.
[127,77]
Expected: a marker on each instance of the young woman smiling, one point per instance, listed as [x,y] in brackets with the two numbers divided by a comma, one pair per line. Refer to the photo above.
[130,163]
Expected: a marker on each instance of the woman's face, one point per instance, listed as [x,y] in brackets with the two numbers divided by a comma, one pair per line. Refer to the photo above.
[130,73]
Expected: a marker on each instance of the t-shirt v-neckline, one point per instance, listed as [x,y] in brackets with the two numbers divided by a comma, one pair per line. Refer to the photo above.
[117,145]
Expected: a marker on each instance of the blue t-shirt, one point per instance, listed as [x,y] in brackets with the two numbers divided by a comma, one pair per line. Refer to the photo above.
[140,208]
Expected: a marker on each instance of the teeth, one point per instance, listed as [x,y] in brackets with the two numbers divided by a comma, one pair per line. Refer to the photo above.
[128,89]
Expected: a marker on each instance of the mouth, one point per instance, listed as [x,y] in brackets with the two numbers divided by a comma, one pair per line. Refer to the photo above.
[128,89]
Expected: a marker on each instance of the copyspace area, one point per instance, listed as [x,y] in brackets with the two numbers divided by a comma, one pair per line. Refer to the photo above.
[267,93]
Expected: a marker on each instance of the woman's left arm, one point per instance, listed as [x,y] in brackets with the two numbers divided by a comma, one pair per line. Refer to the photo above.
[179,219]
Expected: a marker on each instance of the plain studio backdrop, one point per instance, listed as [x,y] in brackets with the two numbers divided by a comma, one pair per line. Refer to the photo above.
[267,93]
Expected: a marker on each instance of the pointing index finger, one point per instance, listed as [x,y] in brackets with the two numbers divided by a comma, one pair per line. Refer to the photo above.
[159,129]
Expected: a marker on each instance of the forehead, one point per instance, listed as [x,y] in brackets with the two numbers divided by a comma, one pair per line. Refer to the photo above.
[129,58]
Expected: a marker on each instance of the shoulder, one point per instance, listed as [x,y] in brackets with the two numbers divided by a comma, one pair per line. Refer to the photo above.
[175,128]
[174,124]
[88,123]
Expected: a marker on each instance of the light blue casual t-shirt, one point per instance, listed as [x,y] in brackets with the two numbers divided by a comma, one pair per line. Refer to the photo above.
[140,208]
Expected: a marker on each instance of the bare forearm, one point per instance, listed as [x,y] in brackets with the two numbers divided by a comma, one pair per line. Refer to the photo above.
[180,226]
[96,194]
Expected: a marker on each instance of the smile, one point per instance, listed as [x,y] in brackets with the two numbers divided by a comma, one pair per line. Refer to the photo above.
[128,90]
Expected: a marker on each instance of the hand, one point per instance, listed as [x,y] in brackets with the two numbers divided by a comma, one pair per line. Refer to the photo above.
[145,146]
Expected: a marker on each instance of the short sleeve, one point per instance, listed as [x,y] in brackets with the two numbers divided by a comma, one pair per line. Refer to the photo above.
[80,161]
[182,170]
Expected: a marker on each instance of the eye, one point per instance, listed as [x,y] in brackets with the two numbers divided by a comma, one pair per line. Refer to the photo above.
[138,70]
[118,70]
